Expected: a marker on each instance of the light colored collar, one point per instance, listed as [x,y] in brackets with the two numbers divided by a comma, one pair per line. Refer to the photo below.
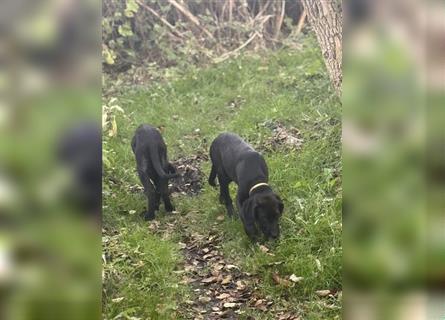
[256,186]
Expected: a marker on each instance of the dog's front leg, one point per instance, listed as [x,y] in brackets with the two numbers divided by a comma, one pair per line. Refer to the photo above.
[247,215]
[224,196]
[251,230]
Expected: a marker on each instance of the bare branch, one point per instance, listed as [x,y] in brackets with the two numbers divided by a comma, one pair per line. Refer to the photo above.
[300,22]
[143,5]
[191,17]
[231,53]
[280,19]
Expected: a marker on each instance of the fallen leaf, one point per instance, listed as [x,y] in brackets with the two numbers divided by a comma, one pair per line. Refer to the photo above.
[323,293]
[220,218]
[264,248]
[229,304]
[218,267]
[227,279]
[231,266]
[208,255]
[182,245]
[208,280]
[294,278]
[187,280]
[117,300]
[259,302]
[204,299]
[240,285]
[288,316]
[223,296]
[280,281]
[215,273]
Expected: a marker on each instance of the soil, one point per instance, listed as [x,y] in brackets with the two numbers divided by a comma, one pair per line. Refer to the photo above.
[221,288]
[283,137]
[191,177]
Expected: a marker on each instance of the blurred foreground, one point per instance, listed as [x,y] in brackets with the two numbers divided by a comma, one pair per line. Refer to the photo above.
[394,168]
[50,160]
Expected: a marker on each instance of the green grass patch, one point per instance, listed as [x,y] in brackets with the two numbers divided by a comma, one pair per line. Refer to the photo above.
[239,96]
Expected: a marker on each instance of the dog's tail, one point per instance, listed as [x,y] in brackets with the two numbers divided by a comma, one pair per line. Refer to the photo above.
[212,176]
[156,161]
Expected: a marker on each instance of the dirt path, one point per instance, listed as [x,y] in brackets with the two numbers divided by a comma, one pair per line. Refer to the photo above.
[221,289]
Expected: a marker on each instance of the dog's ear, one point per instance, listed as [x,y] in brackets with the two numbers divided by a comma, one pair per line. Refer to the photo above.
[280,204]
[248,217]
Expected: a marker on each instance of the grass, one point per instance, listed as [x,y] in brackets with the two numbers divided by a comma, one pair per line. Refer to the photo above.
[239,96]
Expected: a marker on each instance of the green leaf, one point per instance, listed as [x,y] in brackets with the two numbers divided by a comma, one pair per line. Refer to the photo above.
[131,8]
[108,55]
[125,30]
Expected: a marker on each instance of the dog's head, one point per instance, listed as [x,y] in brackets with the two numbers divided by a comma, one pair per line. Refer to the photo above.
[262,211]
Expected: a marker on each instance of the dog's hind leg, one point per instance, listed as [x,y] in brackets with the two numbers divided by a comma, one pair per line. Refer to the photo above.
[224,195]
[163,190]
[150,192]
[157,200]
[212,176]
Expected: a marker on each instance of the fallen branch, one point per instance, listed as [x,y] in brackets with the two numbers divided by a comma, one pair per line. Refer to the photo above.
[227,55]
[191,17]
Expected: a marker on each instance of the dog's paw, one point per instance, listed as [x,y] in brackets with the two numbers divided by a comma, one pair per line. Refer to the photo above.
[212,183]
[149,216]
[169,208]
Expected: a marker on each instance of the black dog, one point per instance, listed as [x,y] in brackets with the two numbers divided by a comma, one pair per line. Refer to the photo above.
[234,160]
[153,168]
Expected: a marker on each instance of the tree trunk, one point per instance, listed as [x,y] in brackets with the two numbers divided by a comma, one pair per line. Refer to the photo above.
[325,16]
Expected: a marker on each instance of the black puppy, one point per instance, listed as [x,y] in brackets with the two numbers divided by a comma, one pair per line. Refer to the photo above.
[234,160]
[153,168]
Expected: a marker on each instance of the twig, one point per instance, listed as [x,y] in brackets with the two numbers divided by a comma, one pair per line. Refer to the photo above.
[191,17]
[280,19]
[300,22]
[263,9]
[243,10]
[153,12]
[227,55]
